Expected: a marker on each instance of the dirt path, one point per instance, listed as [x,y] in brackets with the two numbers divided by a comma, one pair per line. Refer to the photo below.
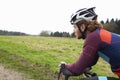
[7,74]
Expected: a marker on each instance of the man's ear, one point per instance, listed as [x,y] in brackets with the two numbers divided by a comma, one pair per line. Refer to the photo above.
[82,27]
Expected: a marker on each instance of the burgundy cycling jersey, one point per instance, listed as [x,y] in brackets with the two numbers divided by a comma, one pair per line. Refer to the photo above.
[100,41]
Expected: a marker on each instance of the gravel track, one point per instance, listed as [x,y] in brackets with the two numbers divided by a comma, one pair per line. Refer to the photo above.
[8,74]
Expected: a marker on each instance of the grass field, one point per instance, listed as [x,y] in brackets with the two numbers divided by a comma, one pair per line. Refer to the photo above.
[39,57]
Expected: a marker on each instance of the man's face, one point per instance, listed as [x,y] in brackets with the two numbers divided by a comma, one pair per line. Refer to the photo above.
[77,32]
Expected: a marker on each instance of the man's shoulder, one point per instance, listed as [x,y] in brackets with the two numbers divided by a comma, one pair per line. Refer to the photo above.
[94,34]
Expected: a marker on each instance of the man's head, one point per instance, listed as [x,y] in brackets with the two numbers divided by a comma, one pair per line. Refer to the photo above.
[80,29]
[83,20]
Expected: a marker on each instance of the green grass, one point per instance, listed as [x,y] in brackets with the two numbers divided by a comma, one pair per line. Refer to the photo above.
[39,57]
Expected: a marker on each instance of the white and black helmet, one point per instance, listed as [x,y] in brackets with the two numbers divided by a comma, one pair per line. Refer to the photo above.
[83,14]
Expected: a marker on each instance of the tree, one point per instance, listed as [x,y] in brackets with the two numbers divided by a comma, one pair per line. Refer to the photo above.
[65,34]
[44,33]
[102,22]
[112,21]
[107,22]
[73,34]
[57,34]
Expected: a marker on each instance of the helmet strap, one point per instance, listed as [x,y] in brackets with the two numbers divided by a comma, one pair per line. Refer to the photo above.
[82,32]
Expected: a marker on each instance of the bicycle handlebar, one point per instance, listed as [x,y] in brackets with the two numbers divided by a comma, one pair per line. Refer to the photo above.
[87,72]
[62,66]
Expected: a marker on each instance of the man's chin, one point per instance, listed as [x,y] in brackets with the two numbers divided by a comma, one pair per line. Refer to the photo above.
[80,38]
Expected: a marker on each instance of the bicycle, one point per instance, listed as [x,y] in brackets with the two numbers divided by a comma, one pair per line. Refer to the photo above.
[87,73]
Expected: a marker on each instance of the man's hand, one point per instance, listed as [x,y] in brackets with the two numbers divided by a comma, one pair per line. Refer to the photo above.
[64,71]
[59,66]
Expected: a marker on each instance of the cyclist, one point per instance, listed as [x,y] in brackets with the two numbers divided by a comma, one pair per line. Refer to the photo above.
[98,42]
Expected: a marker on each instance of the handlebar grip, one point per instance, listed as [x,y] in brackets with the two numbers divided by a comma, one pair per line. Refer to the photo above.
[62,66]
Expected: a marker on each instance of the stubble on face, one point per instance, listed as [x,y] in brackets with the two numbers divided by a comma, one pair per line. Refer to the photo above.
[77,32]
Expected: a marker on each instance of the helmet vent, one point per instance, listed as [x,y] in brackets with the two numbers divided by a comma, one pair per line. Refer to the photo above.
[84,12]
[88,15]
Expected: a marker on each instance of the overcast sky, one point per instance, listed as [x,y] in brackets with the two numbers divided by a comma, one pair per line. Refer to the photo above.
[34,16]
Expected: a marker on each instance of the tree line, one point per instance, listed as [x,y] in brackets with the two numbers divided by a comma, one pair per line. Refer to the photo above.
[55,34]
[5,32]
[111,25]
